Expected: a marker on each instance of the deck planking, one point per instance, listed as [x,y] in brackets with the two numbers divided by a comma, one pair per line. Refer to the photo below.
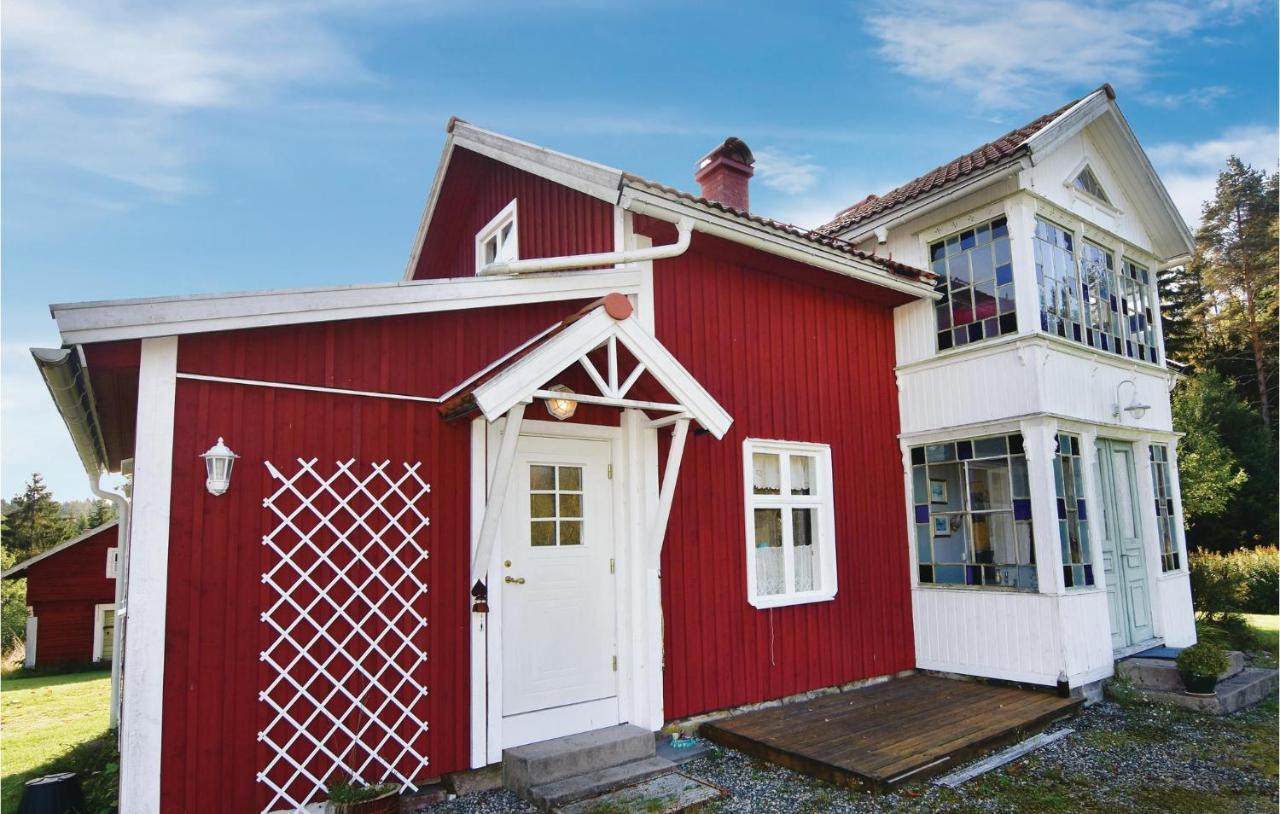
[888,734]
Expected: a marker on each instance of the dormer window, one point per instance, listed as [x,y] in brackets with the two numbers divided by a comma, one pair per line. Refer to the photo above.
[499,240]
[1088,183]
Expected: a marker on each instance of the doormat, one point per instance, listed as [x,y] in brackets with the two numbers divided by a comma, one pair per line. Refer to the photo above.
[1158,653]
[665,794]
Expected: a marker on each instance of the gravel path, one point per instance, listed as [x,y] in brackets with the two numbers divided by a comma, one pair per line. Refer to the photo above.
[1133,757]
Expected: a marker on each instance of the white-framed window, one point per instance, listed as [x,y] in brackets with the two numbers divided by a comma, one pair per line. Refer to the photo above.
[499,240]
[1088,183]
[113,562]
[104,632]
[790,522]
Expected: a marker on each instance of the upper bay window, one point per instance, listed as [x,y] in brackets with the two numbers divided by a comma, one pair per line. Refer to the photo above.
[1087,297]
[790,523]
[975,271]
[972,513]
[499,240]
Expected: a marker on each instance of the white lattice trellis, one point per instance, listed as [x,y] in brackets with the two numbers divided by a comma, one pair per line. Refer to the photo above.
[346,620]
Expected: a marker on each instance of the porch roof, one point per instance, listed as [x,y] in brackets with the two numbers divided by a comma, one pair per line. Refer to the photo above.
[607,322]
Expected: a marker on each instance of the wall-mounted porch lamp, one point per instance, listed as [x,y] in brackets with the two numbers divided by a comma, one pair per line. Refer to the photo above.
[218,461]
[1135,408]
[563,407]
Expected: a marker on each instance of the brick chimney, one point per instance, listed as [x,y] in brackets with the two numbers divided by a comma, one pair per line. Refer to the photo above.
[724,173]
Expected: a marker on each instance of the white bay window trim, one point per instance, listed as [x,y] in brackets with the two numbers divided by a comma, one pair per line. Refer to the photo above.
[819,500]
[499,240]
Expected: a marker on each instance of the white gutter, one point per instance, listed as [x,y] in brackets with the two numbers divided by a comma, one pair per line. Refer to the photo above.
[121,503]
[656,206]
[684,228]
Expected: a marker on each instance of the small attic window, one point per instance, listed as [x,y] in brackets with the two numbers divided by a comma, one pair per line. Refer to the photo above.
[499,240]
[1088,183]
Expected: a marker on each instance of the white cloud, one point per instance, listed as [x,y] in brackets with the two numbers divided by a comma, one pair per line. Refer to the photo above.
[787,173]
[1195,97]
[1190,169]
[1001,56]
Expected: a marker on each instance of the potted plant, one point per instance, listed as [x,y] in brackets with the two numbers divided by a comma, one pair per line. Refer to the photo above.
[348,797]
[1200,665]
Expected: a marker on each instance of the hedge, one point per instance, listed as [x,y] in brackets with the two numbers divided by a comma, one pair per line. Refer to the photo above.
[1243,581]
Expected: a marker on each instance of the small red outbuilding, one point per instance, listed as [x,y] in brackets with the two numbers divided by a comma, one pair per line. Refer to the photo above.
[71,595]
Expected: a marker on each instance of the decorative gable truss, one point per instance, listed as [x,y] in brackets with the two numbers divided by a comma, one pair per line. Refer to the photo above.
[608,324]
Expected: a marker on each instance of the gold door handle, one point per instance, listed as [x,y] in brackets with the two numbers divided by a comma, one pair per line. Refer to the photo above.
[515,580]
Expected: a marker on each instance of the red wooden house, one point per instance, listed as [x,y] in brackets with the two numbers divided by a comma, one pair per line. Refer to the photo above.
[609,453]
[71,596]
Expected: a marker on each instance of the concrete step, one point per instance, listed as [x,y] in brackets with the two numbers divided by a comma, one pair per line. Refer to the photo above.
[1239,691]
[591,784]
[538,764]
[1162,674]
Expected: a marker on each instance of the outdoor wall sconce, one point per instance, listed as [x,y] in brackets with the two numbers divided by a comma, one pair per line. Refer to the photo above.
[218,462]
[561,408]
[1136,408]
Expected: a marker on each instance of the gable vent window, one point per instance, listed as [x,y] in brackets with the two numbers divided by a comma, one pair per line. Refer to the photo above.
[499,240]
[1088,183]
[976,279]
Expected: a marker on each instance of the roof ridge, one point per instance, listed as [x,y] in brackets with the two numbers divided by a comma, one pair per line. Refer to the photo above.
[997,150]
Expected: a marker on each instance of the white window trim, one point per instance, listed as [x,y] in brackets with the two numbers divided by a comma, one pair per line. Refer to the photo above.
[1070,184]
[824,501]
[99,612]
[507,215]
[113,562]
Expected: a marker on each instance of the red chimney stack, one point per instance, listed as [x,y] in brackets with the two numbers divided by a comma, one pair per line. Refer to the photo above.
[724,173]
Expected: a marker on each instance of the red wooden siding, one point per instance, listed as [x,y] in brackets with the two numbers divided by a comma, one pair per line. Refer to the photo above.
[790,361]
[215,595]
[553,220]
[62,590]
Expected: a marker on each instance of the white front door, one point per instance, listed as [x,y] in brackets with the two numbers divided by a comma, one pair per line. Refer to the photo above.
[559,613]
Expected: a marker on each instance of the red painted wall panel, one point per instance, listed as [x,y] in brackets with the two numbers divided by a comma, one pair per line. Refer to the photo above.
[789,360]
[62,590]
[552,220]
[213,629]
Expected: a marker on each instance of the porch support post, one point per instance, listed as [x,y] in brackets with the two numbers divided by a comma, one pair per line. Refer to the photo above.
[669,477]
[497,492]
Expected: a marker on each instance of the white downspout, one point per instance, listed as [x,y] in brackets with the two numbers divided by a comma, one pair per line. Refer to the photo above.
[684,228]
[122,580]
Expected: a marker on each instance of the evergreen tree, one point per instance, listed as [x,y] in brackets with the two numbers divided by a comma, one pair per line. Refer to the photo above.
[103,512]
[35,521]
[1236,245]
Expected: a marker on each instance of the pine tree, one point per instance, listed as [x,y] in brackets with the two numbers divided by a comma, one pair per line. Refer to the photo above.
[1184,311]
[1237,244]
[102,513]
[35,521]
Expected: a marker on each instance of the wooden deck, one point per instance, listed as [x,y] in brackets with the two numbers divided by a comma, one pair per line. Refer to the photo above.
[898,732]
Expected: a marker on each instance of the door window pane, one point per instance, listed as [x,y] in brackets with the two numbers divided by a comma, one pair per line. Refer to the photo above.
[555,494]
[570,532]
[542,533]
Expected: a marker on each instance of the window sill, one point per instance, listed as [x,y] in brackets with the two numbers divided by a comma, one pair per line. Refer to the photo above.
[785,600]
[938,586]
[1168,575]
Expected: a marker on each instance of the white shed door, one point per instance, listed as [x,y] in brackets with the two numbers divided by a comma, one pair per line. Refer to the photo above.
[559,616]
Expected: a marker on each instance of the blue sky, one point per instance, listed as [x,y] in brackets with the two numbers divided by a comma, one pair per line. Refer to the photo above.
[175,147]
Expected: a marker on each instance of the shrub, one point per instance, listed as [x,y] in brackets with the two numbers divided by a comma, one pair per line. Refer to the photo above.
[1203,659]
[1244,581]
[1230,631]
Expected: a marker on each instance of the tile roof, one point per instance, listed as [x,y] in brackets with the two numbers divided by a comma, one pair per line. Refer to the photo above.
[1003,149]
[825,240]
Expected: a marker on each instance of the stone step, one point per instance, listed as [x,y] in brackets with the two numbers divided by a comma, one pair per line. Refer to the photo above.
[591,784]
[1162,674]
[1241,690]
[537,764]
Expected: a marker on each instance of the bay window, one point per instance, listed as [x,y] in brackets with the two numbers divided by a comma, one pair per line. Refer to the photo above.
[975,276]
[790,523]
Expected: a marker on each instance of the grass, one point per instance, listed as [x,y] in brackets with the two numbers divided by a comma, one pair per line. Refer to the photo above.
[1267,629]
[45,720]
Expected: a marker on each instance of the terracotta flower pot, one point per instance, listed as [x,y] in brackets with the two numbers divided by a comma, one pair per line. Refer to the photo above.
[1197,684]
[388,803]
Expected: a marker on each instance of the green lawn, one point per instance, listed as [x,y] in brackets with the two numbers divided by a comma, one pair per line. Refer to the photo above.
[1268,629]
[44,717]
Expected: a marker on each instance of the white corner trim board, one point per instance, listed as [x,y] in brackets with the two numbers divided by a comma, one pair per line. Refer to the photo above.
[140,724]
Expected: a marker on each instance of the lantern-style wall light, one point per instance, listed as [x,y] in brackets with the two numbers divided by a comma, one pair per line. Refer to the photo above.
[218,462]
[563,407]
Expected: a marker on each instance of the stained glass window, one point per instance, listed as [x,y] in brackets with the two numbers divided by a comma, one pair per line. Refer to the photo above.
[1087,182]
[1056,278]
[972,513]
[1101,295]
[1166,517]
[1138,310]
[975,273]
[1073,512]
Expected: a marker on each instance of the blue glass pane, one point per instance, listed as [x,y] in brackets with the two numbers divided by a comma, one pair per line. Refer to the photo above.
[1004,274]
[999,227]
[1062,509]
[1021,509]
[1082,510]
[949,574]
[1088,575]
[926,573]
[937,251]
[919,485]
[964,450]
[922,514]
[917,455]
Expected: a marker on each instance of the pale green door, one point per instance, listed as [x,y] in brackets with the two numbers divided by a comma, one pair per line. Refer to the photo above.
[1128,592]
